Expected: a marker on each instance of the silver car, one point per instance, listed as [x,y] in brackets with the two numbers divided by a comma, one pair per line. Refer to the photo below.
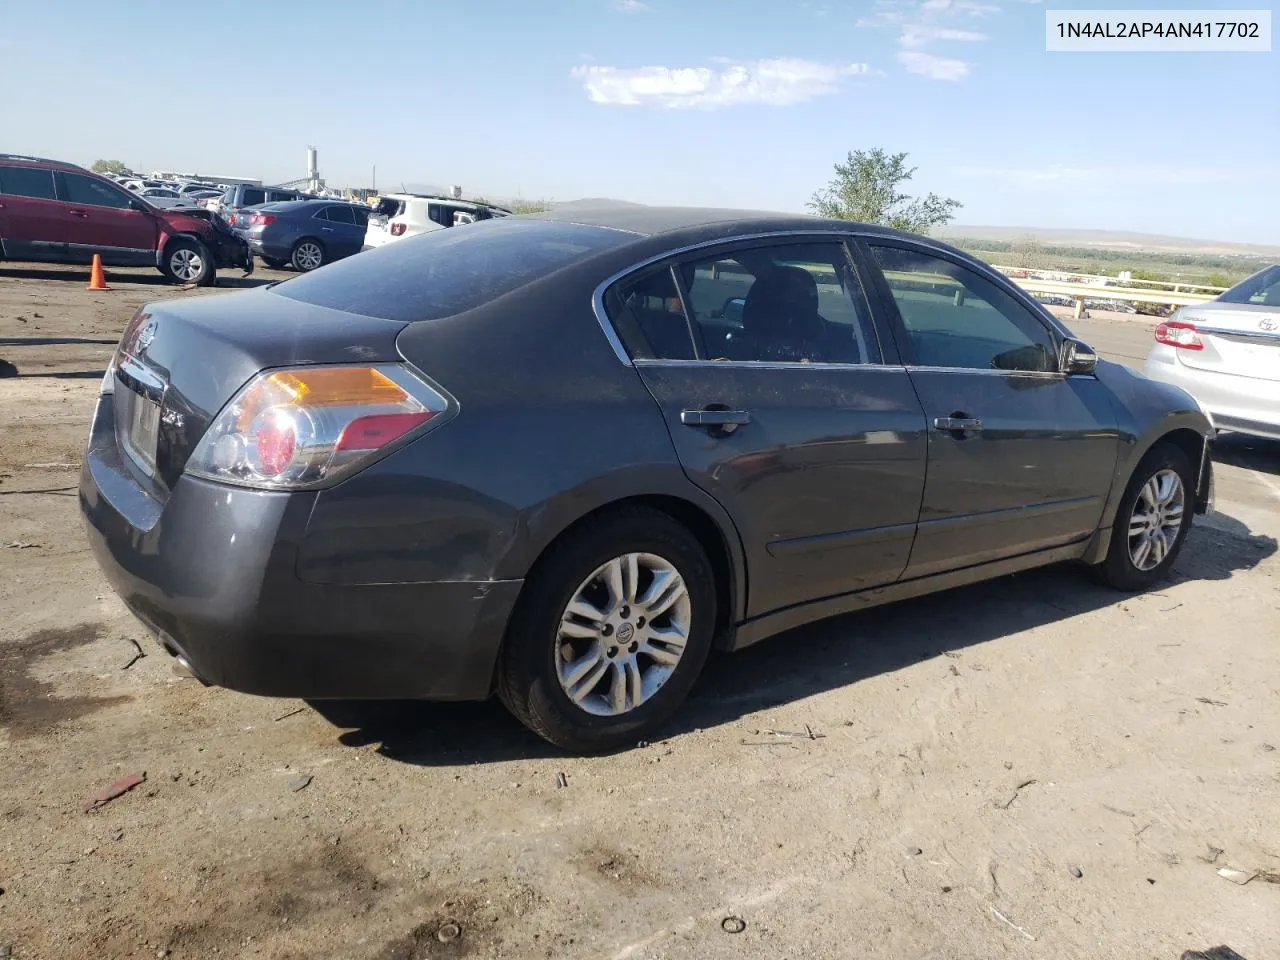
[1226,354]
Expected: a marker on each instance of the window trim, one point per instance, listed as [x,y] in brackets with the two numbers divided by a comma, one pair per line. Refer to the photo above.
[53,181]
[889,307]
[890,354]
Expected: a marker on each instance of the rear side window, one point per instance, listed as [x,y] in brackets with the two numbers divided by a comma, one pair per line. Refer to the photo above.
[252,198]
[281,196]
[27,182]
[650,318]
[361,215]
[447,272]
[341,215]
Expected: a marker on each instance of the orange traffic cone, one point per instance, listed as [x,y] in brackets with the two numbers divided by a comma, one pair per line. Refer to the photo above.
[96,279]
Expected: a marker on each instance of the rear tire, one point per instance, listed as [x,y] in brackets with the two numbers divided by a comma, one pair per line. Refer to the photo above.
[188,261]
[308,254]
[571,626]
[1152,521]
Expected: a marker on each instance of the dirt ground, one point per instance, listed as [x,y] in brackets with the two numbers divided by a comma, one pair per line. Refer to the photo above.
[1030,768]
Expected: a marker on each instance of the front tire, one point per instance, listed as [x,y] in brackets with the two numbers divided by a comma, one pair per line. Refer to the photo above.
[188,261]
[307,255]
[1152,521]
[612,629]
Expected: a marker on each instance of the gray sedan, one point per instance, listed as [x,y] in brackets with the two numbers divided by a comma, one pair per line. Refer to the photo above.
[1226,353]
[562,457]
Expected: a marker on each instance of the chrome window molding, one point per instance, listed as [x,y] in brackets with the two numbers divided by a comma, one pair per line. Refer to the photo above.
[767,365]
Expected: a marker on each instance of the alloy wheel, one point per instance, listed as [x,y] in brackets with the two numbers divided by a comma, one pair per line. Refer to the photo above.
[307,256]
[622,634]
[186,264]
[1156,520]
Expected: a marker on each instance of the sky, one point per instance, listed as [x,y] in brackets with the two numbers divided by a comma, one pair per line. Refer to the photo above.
[740,103]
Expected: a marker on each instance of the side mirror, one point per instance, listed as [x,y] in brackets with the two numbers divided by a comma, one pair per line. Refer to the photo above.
[1077,359]
[733,309]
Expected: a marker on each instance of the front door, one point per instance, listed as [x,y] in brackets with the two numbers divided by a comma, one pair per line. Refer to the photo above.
[783,405]
[1021,457]
[102,220]
[32,220]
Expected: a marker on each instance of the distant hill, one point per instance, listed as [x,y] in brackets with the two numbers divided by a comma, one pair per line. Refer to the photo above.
[1109,239]
[594,203]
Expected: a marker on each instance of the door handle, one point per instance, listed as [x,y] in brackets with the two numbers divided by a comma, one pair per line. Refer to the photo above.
[714,418]
[78,213]
[327,229]
[956,424]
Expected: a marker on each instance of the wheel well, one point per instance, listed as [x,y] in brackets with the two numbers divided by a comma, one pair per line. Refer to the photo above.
[1188,441]
[697,522]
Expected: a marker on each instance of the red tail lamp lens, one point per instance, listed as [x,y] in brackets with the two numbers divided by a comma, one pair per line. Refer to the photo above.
[376,431]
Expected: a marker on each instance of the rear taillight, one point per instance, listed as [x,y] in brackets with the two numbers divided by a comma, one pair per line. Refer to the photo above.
[397,229]
[231,219]
[292,429]
[262,219]
[1174,333]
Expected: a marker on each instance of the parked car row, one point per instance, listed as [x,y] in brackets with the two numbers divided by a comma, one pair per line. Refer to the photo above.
[305,233]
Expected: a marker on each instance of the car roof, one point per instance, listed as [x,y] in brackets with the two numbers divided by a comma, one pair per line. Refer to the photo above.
[41,162]
[287,205]
[647,221]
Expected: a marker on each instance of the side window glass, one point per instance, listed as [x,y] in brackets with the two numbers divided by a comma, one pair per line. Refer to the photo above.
[438,214]
[341,215]
[93,193]
[954,317]
[647,314]
[321,214]
[362,216]
[252,198]
[789,303]
[27,182]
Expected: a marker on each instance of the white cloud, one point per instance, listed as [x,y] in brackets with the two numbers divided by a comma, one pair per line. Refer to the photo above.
[919,36]
[632,6]
[932,66]
[777,82]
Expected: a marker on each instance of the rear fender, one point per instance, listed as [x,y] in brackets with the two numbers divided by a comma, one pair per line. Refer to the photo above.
[536,530]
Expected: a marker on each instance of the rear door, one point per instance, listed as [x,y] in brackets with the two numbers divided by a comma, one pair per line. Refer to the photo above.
[33,222]
[800,421]
[340,232]
[1021,457]
[102,220]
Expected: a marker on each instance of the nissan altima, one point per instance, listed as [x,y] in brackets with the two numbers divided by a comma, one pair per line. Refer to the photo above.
[560,458]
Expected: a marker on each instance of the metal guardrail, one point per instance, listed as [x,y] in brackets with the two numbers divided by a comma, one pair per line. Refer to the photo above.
[1177,285]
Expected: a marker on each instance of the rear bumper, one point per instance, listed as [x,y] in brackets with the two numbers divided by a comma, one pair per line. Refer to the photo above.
[212,572]
[1237,404]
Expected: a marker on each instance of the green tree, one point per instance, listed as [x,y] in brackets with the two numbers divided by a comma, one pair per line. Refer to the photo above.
[530,206]
[866,188]
[109,166]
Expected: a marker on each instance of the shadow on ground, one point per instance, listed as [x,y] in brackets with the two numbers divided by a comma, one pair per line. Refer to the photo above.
[129,277]
[809,660]
[1248,453]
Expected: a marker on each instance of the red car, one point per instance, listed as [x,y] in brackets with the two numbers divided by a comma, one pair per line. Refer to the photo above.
[54,212]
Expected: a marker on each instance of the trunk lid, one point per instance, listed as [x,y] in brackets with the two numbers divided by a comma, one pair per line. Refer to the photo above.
[180,361]
[1240,339]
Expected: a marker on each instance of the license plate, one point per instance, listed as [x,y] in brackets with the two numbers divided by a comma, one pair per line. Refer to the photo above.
[141,422]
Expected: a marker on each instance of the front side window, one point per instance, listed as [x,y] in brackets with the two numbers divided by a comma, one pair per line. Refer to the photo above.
[27,182]
[93,193]
[954,317]
[784,303]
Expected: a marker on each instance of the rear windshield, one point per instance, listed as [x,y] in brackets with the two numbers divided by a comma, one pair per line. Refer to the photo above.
[447,272]
[1262,287]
